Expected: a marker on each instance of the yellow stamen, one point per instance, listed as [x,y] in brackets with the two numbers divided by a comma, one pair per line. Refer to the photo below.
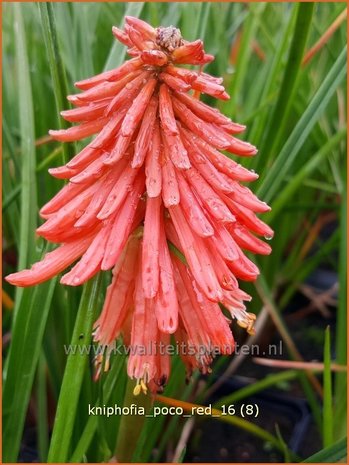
[144,387]
[107,364]
[137,390]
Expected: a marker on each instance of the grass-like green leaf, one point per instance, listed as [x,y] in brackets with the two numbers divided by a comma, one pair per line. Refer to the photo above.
[27,135]
[287,88]
[275,175]
[27,334]
[332,454]
[327,404]
[57,69]
[73,375]
[253,389]
[110,385]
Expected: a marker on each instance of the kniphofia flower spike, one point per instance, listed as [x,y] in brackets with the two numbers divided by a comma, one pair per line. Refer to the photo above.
[154,175]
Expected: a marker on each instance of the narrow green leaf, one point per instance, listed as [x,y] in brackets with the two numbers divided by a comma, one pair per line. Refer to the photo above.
[252,389]
[333,454]
[340,417]
[41,391]
[287,89]
[286,451]
[27,334]
[11,197]
[27,133]
[327,404]
[250,26]
[57,68]
[111,381]
[276,174]
[296,181]
[73,375]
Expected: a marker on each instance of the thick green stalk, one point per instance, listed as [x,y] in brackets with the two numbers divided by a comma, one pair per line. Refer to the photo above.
[131,425]
[73,374]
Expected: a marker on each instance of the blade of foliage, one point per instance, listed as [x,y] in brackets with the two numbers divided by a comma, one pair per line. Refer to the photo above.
[41,392]
[252,389]
[57,69]
[249,30]
[27,334]
[340,416]
[286,90]
[333,454]
[27,132]
[296,181]
[73,375]
[275,175]
[89,431]
[327,406]
[28,315]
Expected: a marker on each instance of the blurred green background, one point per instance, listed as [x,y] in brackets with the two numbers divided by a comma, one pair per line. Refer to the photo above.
[294,106]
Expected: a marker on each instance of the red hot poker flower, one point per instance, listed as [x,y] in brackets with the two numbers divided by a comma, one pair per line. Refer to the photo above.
[154,175]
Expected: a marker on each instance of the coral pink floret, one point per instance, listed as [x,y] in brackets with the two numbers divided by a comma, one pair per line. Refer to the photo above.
[152,197]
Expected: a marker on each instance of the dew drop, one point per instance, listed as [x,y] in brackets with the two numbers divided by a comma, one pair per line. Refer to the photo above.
[268,238]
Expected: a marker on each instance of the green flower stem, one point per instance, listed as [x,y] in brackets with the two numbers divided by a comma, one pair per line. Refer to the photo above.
[73,375]
[131,425]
